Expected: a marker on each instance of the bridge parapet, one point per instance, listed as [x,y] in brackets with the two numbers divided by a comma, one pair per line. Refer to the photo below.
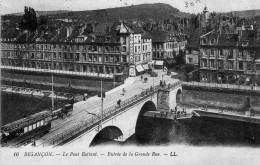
[107,113]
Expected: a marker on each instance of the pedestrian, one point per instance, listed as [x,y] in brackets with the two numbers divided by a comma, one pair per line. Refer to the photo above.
[184,111]
[141,78]
[160,83]
[33,143]
[118,103]
[72,100]
[164,83]
[145,79]
[123,91]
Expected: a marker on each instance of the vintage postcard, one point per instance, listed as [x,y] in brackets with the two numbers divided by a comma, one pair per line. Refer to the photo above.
[130,82]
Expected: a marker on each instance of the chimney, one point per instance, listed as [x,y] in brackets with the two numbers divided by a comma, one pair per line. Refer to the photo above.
[93,27]
[108,29]
[69,30]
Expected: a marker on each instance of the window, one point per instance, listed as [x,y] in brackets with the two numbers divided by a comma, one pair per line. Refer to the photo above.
[204,63]
[229,64]
[25,129]
[95,48]
[124,58]
[54,55]
[84,56]
[212,63]
[30,128]
[95,58]
[106,49]
[38,124]
[106,59]
[117,59]
[42,122]
[84,68]
[124,49]
[211,51]
[204,41]
[34,126]
[124,40]
[240,66]
[257,66]
[77,56]
[249,66]
[221,52]
[111,59]
[71,56]
[90,58]
[190,60]
[220,64]
[212,41]
[117,49]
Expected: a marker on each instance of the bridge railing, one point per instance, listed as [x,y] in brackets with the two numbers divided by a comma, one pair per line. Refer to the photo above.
[71,132]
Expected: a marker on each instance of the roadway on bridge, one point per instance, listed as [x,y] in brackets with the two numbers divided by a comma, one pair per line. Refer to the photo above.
[85,110]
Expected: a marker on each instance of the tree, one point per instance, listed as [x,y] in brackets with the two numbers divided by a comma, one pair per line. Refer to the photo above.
[29,20]
[42,23]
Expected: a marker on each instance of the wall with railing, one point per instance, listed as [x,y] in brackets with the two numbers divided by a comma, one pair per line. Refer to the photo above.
[222,86]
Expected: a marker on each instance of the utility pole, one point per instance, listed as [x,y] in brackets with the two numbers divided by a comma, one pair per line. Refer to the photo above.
[101,105]
[52,98]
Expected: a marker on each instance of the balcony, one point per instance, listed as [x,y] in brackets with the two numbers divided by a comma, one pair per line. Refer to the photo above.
[252,72]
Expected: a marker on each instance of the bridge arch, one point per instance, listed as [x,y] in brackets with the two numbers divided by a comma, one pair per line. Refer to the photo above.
[178,96]
[142,125]
[106,134]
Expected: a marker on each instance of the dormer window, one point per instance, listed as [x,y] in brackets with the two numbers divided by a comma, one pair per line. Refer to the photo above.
[203,41]
[245,43]
[212,41]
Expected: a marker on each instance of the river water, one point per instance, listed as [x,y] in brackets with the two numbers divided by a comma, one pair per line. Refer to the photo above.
[17,106]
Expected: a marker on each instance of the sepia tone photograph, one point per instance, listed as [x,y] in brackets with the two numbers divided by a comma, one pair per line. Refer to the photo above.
[130,82]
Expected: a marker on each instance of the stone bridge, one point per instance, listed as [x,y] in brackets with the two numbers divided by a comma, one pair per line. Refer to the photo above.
[119,123]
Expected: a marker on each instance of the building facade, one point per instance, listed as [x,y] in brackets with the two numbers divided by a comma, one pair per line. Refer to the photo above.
[95,49]
[228,55]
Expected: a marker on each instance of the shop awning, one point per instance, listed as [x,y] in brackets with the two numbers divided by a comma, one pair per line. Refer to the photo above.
[145,66]
[158,62]
[139,68]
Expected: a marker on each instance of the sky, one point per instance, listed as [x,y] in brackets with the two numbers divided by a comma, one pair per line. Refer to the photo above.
[191,6]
